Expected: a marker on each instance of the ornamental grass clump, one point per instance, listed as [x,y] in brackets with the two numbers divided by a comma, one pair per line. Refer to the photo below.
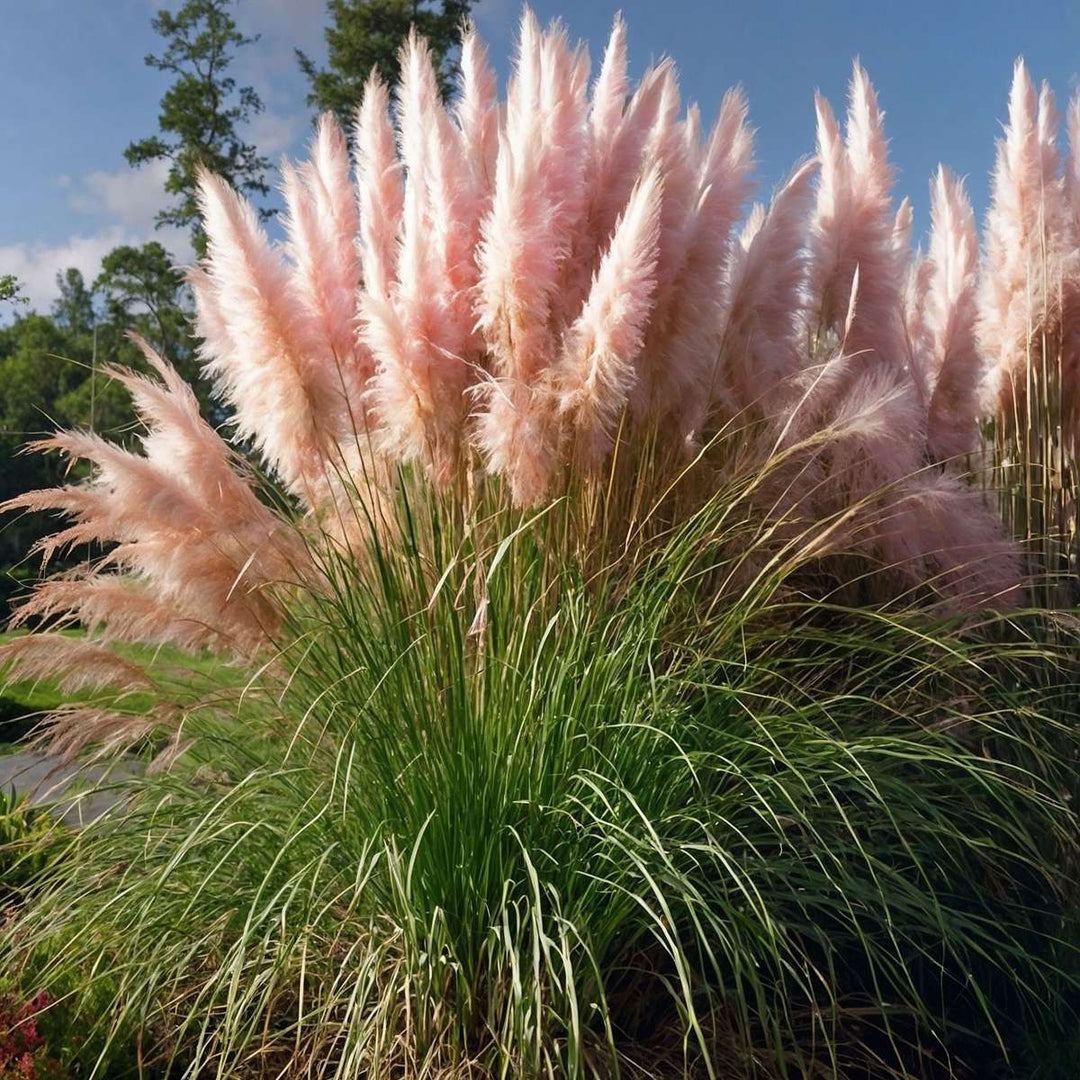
[493,808]
[550,293]
[547,740]
[1029,319]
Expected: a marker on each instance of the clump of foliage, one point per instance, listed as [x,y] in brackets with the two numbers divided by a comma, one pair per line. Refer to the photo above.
[11,290]
[201,111]
[365,35]
[22,1051]
[499,804]
[25,835]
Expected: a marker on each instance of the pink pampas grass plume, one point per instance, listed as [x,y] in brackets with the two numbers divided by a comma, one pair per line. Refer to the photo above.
[868,389]
[1072,168]
[518,434]
[422,333]
[627,136]
[938,530]
[854,227]
[913,303]
[321,224]
[598,368]
[538,204]
[1070,288]
[378,175]
[902,225]
[1025,238]
[610,91]
[75,664]
[288,402]
[335,196]
[686,332]
[539,194]
[618,152]
[765,319]
[193,548]
[209,320]
[950,321]
[477,110]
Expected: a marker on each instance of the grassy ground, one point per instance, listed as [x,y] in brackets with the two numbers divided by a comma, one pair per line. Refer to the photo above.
[22,703]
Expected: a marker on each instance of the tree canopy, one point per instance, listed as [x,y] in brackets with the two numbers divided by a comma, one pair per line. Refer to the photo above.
[366,34]
[11,290]
[202,112]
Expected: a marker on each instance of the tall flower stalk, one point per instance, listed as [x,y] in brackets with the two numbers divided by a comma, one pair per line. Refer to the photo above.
[1029,334]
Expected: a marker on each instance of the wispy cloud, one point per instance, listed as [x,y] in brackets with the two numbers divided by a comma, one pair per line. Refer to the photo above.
[108,208]
[37,265]
[275,133]
[131,197]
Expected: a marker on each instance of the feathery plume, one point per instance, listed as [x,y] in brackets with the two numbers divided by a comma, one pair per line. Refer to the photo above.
[950,321]
[855,227]
[538,197]
[194,551]
[765,317]
[289,403]
[598,368]
[690,281]
[322,228]
[75,664]
[1024,241]
[508,281]
[379,180]
[478,111]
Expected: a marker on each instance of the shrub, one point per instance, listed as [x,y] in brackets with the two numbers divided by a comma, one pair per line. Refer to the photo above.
[21,1050]
[492,810]
[26,834]
[553,741]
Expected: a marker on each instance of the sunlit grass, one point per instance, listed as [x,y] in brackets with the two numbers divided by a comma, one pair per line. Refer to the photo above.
[509,806]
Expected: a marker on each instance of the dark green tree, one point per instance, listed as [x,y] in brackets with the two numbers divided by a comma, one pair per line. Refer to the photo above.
[143,291]
[11,289]
[90,341]
[366,34]
[73,309]
[33,375]
[39,380]
[202,112]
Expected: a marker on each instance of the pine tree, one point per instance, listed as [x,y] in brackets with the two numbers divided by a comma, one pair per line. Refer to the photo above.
[202,112]
[366,34]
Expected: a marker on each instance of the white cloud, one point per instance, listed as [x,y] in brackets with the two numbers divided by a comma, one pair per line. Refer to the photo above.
[119,207]
[122,206]
[285,25]
[274,133]
[36,265]
[131,197]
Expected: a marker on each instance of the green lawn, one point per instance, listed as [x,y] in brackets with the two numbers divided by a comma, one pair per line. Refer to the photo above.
[23,702]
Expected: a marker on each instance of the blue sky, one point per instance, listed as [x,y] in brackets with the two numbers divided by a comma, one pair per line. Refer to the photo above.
[75,92]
